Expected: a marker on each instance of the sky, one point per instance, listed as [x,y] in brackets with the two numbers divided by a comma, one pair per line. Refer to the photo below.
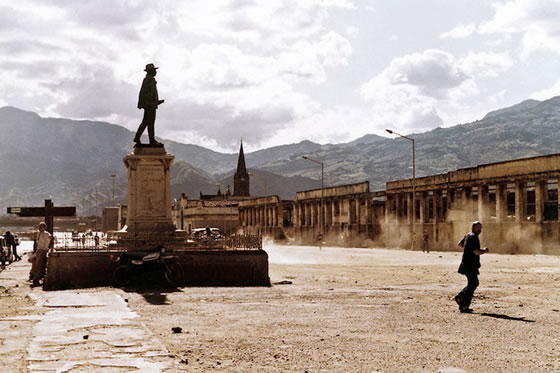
[275,72]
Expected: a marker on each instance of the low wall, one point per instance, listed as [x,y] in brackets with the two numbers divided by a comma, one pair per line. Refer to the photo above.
[71,270]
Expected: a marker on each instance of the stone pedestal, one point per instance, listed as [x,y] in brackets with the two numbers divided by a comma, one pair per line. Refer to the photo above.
[149,219]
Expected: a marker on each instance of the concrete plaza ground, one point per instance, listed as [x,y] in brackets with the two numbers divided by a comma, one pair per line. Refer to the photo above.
[335,309]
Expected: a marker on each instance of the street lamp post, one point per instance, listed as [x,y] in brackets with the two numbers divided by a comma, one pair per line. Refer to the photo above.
[322,192]
[413,182]
[113,200]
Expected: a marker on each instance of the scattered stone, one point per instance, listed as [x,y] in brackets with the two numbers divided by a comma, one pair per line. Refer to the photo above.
[555,310]
[177,329]
[85,336]
[126,300]
[184,361]
[520,305]
[283,282]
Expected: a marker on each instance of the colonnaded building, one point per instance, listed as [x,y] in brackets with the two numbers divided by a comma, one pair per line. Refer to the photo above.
[516,200]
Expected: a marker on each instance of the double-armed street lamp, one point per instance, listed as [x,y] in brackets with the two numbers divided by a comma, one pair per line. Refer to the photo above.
[322,191]
[413,182]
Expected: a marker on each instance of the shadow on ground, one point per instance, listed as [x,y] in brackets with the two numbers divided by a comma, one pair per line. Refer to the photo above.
[506,317]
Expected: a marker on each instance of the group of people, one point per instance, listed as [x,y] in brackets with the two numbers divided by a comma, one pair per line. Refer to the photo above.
[11,243]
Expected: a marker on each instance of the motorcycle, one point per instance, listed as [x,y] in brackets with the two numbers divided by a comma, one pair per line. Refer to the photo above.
[132,263]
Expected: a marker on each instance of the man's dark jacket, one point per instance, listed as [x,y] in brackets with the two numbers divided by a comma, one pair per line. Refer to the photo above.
[470,261]
[148,97]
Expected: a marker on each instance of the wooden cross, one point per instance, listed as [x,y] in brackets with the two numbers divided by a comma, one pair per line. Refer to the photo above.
[49,212]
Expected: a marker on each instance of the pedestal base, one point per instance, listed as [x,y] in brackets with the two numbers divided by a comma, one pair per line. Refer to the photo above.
[149,193]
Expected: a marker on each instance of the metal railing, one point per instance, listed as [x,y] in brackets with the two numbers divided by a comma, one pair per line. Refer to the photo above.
[101,242]
[244,241]
[77,242]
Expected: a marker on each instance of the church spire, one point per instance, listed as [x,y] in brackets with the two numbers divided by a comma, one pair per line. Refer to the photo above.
[241,168]
[241,177]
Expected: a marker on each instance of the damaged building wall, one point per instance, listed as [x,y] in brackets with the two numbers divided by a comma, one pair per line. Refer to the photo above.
[516,201]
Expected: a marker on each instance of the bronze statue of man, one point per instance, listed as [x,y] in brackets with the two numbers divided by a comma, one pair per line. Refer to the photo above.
[149,101]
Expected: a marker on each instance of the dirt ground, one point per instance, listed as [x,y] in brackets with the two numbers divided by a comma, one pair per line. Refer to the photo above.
[15,300]
[343,310]
[364,310]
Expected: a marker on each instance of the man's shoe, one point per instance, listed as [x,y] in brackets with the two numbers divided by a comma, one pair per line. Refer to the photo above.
[465,310]
[35,284]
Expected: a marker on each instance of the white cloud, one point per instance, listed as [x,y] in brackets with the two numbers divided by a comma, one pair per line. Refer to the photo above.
[351,31]
[488,64]
[228,68]
[537,21]
[420,91]
[547,93]
[459,32]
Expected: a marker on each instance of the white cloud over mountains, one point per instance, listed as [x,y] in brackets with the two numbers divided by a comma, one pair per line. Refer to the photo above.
[418,90]
[272,72]
[229,68]
[536,21]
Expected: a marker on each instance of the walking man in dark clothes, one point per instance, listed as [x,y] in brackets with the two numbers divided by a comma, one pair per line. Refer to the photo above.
[470,263]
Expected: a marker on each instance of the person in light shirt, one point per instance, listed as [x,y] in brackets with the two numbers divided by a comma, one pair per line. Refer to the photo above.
[43,243]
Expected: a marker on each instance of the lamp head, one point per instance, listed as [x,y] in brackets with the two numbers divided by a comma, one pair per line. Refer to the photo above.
[388,130]
[304,157]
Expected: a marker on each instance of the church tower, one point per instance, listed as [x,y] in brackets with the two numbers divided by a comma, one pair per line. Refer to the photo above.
[241,177]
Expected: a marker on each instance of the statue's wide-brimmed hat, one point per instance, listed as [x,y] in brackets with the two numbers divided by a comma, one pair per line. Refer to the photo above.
[150,66]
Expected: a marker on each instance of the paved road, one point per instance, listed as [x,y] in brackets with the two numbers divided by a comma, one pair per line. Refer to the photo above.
[87,331]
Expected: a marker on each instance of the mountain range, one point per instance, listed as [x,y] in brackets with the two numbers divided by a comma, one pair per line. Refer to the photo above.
[72,161]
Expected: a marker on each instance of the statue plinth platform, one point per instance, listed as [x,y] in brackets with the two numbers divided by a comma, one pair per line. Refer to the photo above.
[149,196]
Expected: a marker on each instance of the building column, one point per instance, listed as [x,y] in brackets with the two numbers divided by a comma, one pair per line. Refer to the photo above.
[519,202]
[387,207]
[422,207]
[397,212]
[501,203]
[539,200]
[409,217]
[464,202]
[483,201]
[359,213]
[368,214]
[450,198]
[436,206]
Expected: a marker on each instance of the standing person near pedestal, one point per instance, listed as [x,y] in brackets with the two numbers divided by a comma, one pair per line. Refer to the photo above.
[43,241]
[470,263]
[149,101]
